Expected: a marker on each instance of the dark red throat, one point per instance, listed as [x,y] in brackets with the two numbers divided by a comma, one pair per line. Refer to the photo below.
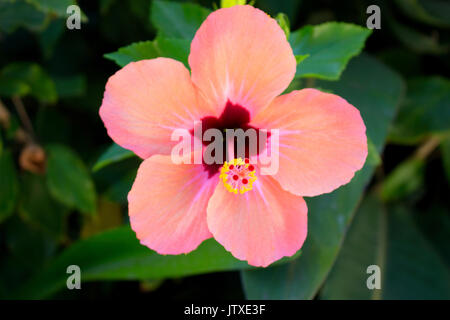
[233,116]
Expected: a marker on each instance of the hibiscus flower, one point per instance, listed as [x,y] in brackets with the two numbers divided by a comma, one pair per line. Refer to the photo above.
[240,65]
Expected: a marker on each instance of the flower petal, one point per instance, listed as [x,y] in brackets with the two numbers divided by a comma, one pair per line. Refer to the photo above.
[261,225]
[145,101]
[167,205]
[322,140]
[241,54]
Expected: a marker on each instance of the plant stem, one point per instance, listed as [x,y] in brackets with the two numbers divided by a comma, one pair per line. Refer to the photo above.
[21,111]
[4,115]
[426,148]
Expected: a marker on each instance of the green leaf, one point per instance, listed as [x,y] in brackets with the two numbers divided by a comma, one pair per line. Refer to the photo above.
[38,209]
[177,20]
[417,41]
[177,49]
[330,46]
[56,8]
[405,179]
[34,15]
[13,87]
[283,22]
[68,179]
[29,78]
[117,255]
[410,267]
[15,14]
[300,57]
[433,12]
[114,153]
[330,214]
[364,245]
[373,157]
[425,111]
[118,190]
[115,181]
[9,186]
[49,37]
[134,52]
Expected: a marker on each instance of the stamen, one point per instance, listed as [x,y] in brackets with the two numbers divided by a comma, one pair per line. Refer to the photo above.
[238,175]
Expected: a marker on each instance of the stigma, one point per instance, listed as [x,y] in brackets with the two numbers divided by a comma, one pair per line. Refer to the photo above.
[238,175]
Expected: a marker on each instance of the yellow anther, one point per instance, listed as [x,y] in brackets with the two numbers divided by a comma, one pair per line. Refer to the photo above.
[238,175]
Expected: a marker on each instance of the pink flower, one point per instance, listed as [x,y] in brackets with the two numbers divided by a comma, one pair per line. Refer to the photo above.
[240,64]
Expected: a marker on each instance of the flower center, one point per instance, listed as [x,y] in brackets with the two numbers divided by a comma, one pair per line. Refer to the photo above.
[233,116]
[238,175]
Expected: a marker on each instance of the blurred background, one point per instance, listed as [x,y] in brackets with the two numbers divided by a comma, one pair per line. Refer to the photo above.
[63,183]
